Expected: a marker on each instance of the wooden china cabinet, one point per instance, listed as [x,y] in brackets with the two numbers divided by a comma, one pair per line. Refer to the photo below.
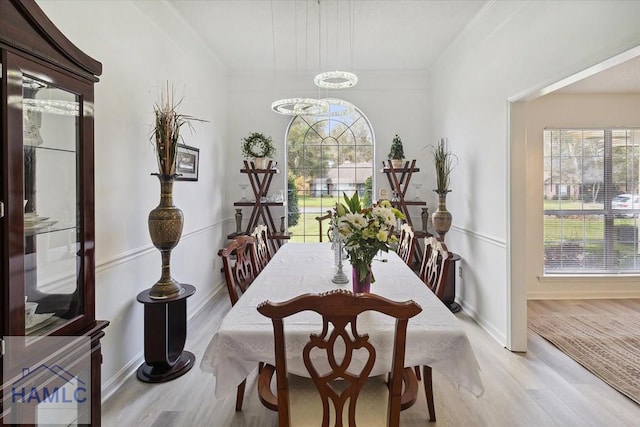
[47,223]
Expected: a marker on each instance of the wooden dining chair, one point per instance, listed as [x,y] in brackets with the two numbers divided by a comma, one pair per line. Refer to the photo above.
[435,265]
[306,401]
[406,244]
[239,275]
[320,220]
[262,250]
[433,272]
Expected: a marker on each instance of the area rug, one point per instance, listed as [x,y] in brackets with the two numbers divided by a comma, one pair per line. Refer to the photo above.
[607,345]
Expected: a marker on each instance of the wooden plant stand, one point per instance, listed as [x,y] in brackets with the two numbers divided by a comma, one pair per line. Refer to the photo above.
[399,179]
[260,180]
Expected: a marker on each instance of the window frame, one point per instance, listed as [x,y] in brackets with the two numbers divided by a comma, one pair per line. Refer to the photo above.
[610,259]
[311,124]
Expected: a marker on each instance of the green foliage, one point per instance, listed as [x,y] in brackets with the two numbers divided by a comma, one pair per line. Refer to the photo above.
[258,145]
[444,161]
[368,191]
[353,203]
[397,151]
[292,202]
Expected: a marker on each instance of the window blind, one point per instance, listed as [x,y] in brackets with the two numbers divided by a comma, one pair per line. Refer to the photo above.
[591,201]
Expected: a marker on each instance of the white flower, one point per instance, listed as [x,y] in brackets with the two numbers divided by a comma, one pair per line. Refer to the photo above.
[352,246]
[357,220]
[386,213]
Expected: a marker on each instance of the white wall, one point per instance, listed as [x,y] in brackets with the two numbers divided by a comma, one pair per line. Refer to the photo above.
[141,45]
[510,48]
[393,102]
[568,111]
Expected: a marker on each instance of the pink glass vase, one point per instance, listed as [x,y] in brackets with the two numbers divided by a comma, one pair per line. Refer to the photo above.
[361,285]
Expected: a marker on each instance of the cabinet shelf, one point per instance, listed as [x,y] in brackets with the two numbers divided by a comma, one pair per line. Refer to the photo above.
[47,227]
[56,149]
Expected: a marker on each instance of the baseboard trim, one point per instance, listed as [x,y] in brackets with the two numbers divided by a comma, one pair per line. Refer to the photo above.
[488,328]
[585,294]
[114,383]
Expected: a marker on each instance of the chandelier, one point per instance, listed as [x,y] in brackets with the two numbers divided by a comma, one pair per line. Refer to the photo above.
[338,79]
[335,80]
[300,106]
[338,107]
[325,80]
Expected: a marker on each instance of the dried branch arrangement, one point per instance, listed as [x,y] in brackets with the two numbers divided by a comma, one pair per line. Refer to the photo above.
[165,134]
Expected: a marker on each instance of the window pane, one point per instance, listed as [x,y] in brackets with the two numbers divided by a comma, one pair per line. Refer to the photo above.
[326,156]
[591,201]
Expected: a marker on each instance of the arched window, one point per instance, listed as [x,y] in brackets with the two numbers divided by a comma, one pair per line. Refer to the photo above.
[326,157]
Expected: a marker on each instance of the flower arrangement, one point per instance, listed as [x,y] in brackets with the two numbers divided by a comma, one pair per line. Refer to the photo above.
[165,134]
[365,231]
[444,161]
[258,145]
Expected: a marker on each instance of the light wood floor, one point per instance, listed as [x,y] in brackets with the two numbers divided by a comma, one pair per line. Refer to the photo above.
[543,387]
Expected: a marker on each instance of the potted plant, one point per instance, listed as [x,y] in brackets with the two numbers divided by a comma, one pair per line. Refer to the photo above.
[443,161]
[259,147]
[396,153]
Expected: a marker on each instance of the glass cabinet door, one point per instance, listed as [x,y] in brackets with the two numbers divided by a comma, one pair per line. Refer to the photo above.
[52,248]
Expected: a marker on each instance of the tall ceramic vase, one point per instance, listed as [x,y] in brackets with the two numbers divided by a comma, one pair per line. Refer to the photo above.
[165,228]
[441,217]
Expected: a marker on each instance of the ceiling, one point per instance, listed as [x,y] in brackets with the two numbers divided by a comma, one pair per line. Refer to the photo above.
[622,78]
[352,35]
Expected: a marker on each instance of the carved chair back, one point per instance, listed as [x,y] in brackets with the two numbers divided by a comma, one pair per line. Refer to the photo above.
[435,265]
[263,253]
[339,340]
[406,244]
[239,274]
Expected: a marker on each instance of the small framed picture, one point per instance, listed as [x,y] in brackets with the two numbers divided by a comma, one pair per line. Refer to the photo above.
[187,163]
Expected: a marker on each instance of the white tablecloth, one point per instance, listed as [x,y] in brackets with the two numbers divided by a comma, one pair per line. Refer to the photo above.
[434,337]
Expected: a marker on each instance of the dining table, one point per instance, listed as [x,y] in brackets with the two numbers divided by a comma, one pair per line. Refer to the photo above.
[435,337]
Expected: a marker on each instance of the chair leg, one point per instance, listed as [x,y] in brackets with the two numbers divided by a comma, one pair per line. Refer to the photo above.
[428,391]
[418,376]
[240,396]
